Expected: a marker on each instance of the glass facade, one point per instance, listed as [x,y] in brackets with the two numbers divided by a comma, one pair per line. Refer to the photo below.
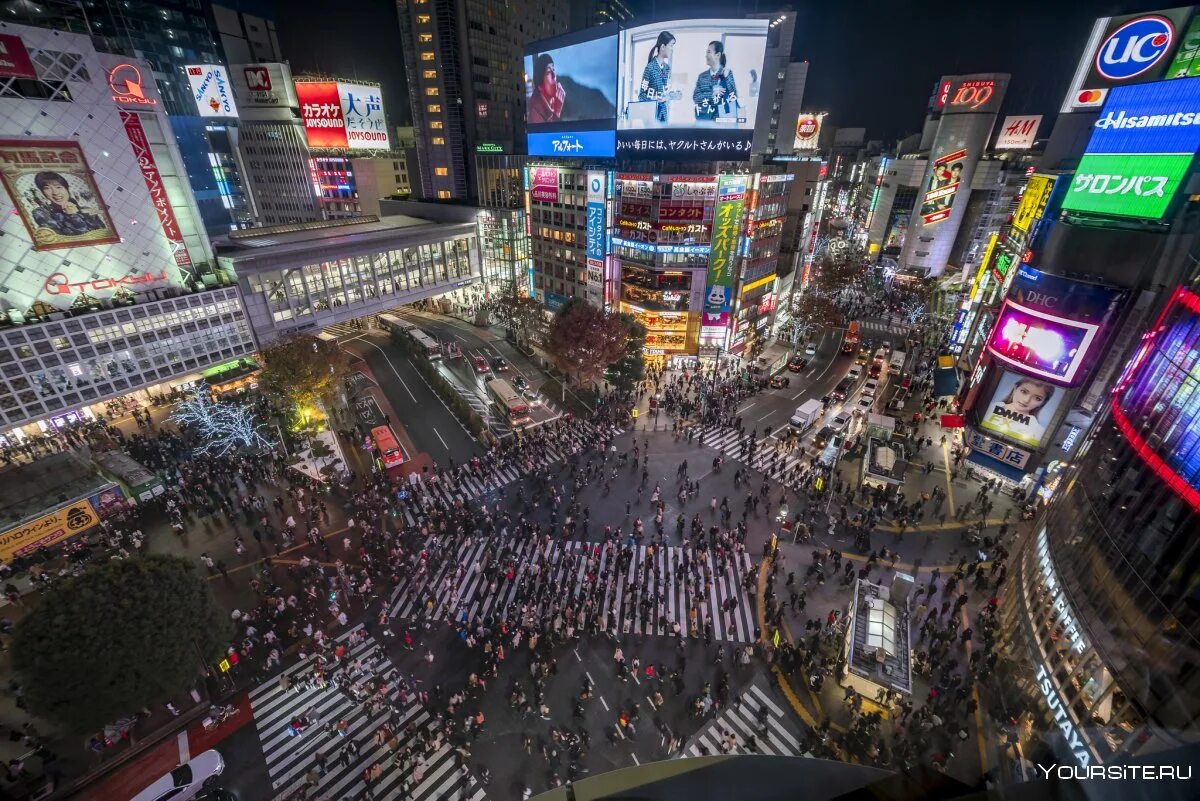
[1105,605]
[298,293]
[48,368]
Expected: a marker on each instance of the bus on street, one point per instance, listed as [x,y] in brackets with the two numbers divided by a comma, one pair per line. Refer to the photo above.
[394,325]
[387,447]
[432,350]
[511,405]
[850,342]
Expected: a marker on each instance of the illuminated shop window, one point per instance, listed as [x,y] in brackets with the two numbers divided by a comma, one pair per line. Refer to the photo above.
[427,55]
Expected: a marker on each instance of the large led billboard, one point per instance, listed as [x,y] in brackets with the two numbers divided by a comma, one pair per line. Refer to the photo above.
[727,226]
[1043,344]
[1140,151]
[571,94]
[687,89]
[1021,408]
[210,88]
[808,131]
[339,115]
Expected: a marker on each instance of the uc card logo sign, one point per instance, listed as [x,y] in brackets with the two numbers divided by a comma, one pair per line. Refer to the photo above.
[1134,48]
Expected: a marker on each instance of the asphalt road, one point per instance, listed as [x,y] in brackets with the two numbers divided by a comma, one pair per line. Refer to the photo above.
[431,426]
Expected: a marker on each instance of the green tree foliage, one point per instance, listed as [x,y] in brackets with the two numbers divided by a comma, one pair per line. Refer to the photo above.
[303,369]
[627,371]
[584,340]
[124,635]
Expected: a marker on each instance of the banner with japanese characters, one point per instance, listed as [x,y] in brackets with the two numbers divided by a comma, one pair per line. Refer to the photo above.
[340,115]
[726,229]
[52,189]
[154,184]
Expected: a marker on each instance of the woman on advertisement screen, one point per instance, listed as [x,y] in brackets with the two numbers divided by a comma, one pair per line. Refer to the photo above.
[656,77]
[1017,415]
[549,96]
[715,93]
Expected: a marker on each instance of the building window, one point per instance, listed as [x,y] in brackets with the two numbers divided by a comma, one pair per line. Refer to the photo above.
[443,193]
[432,91]
[434,108]
[424,37]
[427,55]
[436,125]
[441,171]
[422,19]
[438,140]
[431,75]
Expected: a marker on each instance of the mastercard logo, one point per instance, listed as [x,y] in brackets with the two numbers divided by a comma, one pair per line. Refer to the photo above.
[1089,97]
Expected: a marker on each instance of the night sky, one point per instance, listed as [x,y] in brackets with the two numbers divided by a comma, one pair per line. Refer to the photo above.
[872,63]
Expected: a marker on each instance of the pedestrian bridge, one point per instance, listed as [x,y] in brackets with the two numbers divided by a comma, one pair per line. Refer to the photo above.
[308,276]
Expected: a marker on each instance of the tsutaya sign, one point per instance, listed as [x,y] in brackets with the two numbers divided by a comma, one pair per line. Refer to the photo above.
[1062,717]
[1054,591]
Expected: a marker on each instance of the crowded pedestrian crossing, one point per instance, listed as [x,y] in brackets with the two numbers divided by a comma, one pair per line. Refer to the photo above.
[784,465]
[650,596]
[350,755]
[465,488]
[754,723]
[881,328]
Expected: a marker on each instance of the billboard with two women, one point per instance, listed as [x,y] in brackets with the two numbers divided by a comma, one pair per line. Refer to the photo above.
[686,89]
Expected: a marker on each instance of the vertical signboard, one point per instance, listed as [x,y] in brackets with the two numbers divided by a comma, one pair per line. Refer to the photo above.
[808,131]
[154,184]
[1018,132]
[727,225]
[595,228]
[544,187]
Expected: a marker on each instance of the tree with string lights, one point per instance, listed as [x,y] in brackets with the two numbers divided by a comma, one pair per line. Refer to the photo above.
[221,427]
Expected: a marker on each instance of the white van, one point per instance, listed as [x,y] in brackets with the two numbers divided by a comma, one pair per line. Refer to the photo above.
[896,366]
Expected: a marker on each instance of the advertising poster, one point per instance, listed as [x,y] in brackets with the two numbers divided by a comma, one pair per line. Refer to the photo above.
[571,94]
[1140,187]
[362,110]
[1186,63]
[896,233]
[321,111]
[808,131]
[342,115]
[687,89]
[47,530]
[14,58]
[154,184]
[727,224]
[211,90]
[1033,201]
[1018,132]
[945,175]
[1046,345]
[543,187]
[1021,408]
[51,186]
[595,228]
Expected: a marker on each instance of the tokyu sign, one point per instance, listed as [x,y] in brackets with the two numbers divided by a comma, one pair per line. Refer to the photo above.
[1126,185]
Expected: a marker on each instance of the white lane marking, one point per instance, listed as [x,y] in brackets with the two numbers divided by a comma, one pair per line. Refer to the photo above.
[185,751]
[605,703]
[399,378]
[439,436]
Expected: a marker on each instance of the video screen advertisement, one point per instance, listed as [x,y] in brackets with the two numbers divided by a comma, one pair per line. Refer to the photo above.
[1021,408]
[1048,325]
[571,94]
[689,89]
[1140,152]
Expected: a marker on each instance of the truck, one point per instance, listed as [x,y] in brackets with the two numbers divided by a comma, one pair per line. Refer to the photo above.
[808,413]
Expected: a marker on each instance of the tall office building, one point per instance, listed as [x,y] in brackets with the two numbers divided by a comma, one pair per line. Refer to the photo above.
[465,81]
[272,151]
[588,13]
[779,90]
[171,34]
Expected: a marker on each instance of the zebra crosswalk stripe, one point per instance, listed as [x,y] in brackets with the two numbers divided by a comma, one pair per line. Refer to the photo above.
[740,720]
[289,758]
[662,589]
